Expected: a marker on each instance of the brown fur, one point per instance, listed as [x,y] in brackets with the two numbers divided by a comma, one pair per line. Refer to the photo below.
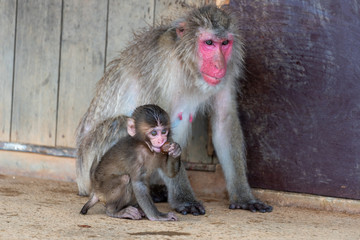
[121,178]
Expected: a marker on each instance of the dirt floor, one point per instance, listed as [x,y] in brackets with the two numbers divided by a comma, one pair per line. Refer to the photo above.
[39,209]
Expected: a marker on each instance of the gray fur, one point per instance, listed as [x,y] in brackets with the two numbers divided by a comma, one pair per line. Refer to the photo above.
[159,67]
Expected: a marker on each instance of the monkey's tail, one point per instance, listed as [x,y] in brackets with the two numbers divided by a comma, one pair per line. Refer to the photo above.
[92,201]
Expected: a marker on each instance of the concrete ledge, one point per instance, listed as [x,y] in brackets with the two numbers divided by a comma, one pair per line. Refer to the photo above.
[212,184]
[37,165]
[205,184]
[287,199]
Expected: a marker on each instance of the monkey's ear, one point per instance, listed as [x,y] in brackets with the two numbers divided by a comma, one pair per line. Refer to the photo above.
[180,28]
[131,127]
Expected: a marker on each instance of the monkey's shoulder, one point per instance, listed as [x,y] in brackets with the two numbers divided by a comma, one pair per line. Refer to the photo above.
[154,35]
[148,43]
[130,145]
[129,149]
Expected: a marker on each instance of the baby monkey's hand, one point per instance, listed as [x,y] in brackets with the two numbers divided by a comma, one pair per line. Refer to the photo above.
[173,149]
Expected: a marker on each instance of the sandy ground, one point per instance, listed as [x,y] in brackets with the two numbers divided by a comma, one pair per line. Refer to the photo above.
[39,209]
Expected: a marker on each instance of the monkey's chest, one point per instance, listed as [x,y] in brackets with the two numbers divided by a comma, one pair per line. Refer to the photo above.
[184,111]
[151,164]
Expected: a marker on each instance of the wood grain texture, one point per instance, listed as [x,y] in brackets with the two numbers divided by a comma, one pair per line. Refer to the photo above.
[126,17]
[300,104]
[36,72]
[197,146]
[165,9]
[7,39]
[82,63]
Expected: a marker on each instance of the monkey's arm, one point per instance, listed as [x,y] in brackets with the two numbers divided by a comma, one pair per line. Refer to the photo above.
[172,166]
[180,195]
[144,200]
[173,162]
[230,148]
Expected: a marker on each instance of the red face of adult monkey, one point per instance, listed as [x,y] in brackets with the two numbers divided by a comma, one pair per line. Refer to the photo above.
[187,67]
[214,53]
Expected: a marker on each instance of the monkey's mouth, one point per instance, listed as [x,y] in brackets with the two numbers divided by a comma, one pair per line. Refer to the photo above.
[211,80]
[156,149]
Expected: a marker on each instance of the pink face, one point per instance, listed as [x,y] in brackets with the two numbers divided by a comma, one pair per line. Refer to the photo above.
[157,137]
[214,54]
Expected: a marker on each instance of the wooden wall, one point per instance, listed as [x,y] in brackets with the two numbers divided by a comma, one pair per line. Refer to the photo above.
[52,53]
[7,39]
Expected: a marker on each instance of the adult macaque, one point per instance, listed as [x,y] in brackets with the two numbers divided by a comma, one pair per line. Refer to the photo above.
[121,178]
[186,67]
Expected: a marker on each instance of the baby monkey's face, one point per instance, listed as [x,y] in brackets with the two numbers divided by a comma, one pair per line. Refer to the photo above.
[157,136]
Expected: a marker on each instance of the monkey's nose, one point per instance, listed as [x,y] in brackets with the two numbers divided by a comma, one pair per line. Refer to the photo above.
[220,66]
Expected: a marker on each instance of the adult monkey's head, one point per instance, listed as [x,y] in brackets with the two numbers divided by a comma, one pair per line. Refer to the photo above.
[208,39]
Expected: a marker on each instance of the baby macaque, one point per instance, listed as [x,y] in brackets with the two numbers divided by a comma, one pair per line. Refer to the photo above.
[121,179]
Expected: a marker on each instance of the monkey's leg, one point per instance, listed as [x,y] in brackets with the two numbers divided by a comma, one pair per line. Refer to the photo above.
[230,148]
[84,156]
[92,145]
[147,205]
[171,168]
[83,164]
[129,212]
[180,194]
[120,199]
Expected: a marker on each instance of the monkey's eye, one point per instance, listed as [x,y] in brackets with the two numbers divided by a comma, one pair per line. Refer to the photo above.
[153,133]
[164,131]
[226,42]
[209,42]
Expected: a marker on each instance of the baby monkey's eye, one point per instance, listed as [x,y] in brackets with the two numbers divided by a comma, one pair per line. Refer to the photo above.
[164,131]
[153,133]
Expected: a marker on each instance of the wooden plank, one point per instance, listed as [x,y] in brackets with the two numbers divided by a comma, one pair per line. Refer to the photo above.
[165,9]
[31,148]
[36,72]
[7,38]
[82,63]
[125,17]
[196,151]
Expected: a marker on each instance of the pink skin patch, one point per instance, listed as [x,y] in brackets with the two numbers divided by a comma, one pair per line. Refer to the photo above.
[190,118]
[214,53]
[180,115]
[158,137]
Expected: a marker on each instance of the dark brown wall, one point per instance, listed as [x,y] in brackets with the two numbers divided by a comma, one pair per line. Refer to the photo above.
[300,106]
